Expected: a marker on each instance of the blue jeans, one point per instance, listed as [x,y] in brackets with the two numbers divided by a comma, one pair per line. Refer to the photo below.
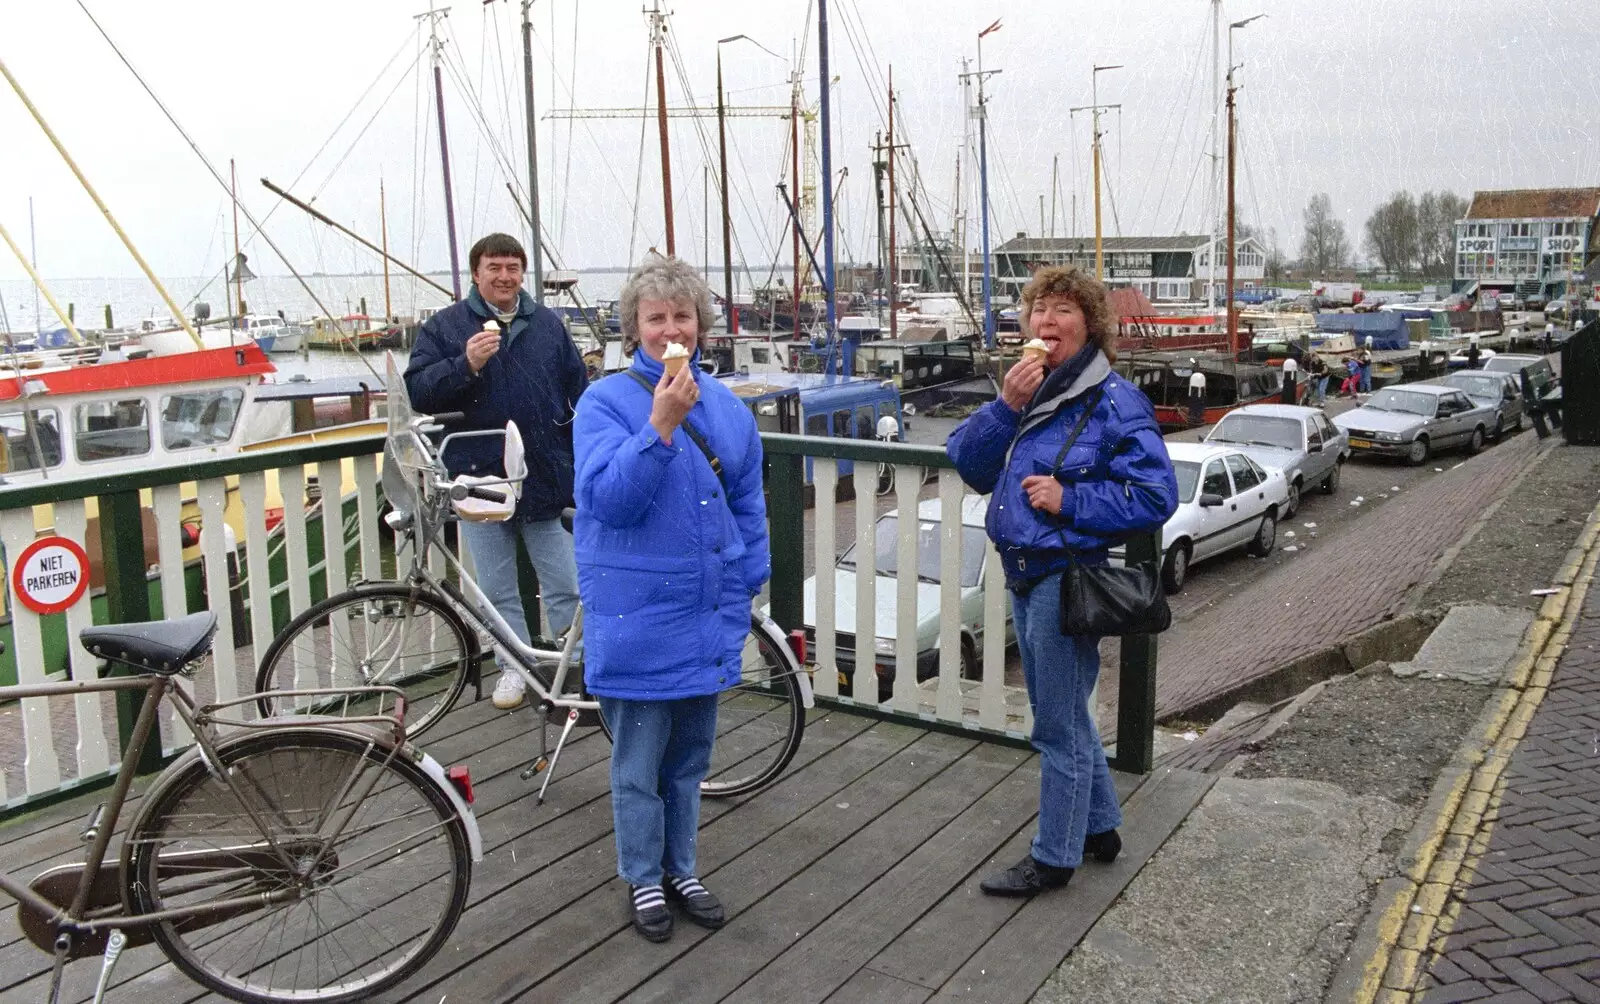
[1366,379]
[1076,796]
[1319,394]
[660,753]
[494,559]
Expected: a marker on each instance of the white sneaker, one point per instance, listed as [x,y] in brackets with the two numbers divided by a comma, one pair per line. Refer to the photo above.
[508,690]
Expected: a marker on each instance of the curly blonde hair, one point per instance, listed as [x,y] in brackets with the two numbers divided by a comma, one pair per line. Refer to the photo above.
[1081,288]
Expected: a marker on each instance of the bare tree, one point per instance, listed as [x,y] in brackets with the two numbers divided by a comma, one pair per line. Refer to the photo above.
[1392,233]
[1268,239]
[1436,231]
[1324,245]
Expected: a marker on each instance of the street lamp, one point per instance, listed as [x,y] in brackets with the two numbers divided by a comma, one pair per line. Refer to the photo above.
[722,152]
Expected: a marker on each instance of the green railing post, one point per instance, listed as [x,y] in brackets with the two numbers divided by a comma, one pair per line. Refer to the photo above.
[127,598]
[786,519]
[1136,695]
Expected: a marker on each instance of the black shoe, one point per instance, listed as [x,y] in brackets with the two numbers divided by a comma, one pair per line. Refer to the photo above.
[651,917]
[699,905]
[1025,878]
[1104,846]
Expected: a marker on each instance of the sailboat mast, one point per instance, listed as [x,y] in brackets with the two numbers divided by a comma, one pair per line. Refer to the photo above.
[383,228]
[794,122]
[1216,102]
[827,163]
[144,266]
[33,247]
[1099,253]
[38,287]
[658,23]
[437,47]
[238,273]
[536,249]
[983,192]
[1233,317]
[894,251]
[727,222]
[1055,185]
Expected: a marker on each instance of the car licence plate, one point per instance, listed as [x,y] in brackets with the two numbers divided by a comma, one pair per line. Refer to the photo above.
[1361,444]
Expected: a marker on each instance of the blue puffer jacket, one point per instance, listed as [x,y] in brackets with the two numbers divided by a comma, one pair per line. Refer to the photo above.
[669,556]
[534,380]
[1117,479]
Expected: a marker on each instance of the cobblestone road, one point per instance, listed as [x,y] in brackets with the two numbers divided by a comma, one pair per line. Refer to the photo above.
[1529,924]
[1333,592]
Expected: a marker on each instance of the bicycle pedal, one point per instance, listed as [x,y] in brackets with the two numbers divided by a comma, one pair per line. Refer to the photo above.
[537,767]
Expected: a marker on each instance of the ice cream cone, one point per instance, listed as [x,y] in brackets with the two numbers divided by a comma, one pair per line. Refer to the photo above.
[674,359]
[1035,349]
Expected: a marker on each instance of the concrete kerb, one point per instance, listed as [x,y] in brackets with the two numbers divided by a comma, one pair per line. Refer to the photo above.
[1411,913]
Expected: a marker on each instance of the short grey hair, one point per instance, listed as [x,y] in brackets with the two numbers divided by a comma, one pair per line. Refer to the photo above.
[662,277]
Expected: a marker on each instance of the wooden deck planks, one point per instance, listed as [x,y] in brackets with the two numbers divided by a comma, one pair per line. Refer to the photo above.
[851,880]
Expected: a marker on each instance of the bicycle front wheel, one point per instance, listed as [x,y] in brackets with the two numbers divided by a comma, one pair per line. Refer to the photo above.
[760,721]
[381,633]
[361,906]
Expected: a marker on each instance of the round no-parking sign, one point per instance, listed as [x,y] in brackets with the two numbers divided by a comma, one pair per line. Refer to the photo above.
[51,575]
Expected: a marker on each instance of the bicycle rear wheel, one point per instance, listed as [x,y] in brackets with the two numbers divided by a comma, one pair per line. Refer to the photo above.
[380,633]
[363,909]
[760,721]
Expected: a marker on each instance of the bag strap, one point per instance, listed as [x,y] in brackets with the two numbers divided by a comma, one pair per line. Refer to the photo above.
[1077,430]
[694,434]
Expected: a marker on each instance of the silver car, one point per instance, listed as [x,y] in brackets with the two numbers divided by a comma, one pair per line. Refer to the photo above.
[1225,501]
[1301,443]
[1492,388]
[1413,420]
[974,554]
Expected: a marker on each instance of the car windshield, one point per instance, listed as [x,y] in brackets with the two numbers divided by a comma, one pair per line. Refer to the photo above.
[888,548]
[1188,473]
[1258,430]
[1477,386]
[1506,364]
[1408,402]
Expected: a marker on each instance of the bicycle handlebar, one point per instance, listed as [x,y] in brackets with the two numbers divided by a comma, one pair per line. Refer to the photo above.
[459,492]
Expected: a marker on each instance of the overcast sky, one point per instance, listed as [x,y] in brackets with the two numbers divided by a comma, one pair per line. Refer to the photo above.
[1356,98]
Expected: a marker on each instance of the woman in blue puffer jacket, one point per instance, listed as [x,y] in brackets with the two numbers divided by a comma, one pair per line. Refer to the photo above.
[669,556]
[1047,507]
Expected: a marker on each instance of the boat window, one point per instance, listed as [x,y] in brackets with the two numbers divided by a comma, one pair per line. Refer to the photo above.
[1244,474]
[866,428]
[22,440]
[106,430]
[816,425]
[841,424]
[203,418]
[760,355]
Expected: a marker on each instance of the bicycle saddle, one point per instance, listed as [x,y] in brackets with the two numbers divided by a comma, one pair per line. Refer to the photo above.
[154,646]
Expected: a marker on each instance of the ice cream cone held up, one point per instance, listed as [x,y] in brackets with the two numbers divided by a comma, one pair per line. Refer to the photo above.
[674,358]
[1035,349]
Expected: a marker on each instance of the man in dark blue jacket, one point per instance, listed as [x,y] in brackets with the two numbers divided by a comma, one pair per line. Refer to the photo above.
[499,356]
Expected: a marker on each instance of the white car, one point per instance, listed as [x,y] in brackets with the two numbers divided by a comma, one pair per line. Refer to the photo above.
[1225,501]
[974,552]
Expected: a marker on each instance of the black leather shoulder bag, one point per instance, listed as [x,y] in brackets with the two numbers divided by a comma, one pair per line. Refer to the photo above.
[1100,600]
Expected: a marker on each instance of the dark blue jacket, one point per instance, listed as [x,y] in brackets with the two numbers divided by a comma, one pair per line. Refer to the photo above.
[535,380]
[1116,480]
[669,555]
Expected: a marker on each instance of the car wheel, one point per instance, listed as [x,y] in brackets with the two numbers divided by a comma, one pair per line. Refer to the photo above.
[1499,427]
[1330,484]
[1518,426]
[1175,569]
[1475,442]
[971,668]
[1293,505]
[1418,454]
[1266,536]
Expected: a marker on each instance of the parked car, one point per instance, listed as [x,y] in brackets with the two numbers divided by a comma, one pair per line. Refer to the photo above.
[974,553]
[1225,501]
[1540,374]
[1500,391]
[1300,443]
[1413,420]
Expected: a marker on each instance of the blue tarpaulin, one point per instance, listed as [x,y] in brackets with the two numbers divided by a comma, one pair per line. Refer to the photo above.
[1386,328]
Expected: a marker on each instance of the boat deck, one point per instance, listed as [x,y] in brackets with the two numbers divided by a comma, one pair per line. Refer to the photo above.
[852,879]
